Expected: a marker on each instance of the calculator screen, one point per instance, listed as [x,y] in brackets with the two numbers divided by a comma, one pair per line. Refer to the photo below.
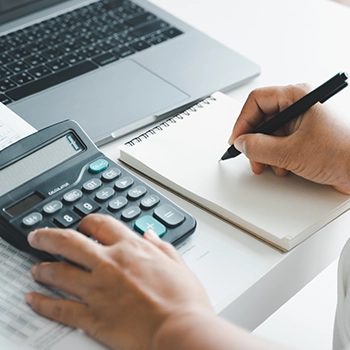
[38,162]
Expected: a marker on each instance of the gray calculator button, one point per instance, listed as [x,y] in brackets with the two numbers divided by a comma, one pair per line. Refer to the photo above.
[137,192]
[32,219]
[92,185]
[105,193]
[169,215]
[72,196]
[124,183]
[111,174]
[149,202]
[130,213]
[52,207]
[117,203]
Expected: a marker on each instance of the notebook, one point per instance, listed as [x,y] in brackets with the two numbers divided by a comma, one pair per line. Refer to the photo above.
[183,154]
[80,59]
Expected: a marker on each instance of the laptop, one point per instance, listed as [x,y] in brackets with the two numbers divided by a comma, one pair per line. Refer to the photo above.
[114,66]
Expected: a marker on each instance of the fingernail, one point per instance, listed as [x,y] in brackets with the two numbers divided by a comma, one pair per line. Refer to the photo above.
[239,144]
[29,298]
[230,141]
[151,234]
[33,269]
[30,237]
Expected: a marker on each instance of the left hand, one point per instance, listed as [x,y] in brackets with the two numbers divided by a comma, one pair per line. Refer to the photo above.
[130,287]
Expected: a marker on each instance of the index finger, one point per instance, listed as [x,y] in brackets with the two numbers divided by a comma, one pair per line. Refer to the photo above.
[105,229]
[70,244]
[264,103]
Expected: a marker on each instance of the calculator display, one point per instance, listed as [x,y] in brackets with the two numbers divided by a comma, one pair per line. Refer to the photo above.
[38,162]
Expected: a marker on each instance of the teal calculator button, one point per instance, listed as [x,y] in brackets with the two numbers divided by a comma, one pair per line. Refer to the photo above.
[98,165]
[147,222]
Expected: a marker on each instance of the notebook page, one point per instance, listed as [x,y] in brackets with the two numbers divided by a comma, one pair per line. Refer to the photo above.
[184,157]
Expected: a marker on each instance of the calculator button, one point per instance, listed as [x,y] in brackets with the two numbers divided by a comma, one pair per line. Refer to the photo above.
[149,202]
[131,213]
[52,207]
[92,185]
[117,203]
[147,222]
[98,165]
[137,192]
[67,218]
[72,196]
[111,174]
[105,194]
[32,219]
[124,183]
[168,215]
[86,207]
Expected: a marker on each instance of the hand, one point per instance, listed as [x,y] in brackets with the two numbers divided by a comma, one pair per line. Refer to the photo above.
[315,146]
[130,287]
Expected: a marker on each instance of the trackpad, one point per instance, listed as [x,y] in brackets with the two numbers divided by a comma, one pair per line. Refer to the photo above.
[119,97]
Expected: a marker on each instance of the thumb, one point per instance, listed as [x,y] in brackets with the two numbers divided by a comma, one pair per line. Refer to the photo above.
[264,149]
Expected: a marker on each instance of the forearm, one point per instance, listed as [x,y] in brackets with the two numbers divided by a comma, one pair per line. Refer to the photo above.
[205,331]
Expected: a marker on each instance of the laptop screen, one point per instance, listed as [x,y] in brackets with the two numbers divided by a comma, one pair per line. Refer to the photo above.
[12,9]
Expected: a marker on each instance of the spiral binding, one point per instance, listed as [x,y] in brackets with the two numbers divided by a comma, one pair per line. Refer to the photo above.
[167,123]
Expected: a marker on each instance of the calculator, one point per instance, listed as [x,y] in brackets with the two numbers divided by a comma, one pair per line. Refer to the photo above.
[56,176]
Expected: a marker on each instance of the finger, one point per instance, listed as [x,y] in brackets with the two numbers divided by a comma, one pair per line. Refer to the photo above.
[165,247]
[66,277]
[70,244]
[263,103]
[266,149]
[105,229]
[69,312]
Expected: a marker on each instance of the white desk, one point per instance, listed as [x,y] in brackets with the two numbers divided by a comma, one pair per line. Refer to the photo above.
[292,41]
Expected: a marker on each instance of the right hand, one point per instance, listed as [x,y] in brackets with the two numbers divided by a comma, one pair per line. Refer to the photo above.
[315,146]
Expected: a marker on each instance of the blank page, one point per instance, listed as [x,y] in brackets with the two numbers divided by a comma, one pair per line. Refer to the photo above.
[184,157]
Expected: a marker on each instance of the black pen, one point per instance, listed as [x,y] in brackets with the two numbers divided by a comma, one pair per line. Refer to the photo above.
[320,94]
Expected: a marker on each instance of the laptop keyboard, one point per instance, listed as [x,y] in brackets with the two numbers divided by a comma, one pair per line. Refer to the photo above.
[61,48]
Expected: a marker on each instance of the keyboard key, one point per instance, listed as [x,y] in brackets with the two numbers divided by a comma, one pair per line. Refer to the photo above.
[140,45]
[40,71]
[53,207]
[4,73]
[86,207]
[32,219]
[131,213]
[150,28]
[117,203]
[111,174]
[35,60]
[157,39]
[92,185]
[149,202]
[56,65]
[22,78]
[72,196]
[124,183]
[4,99]
[137,192]
[104,194]
[124,51]
[18,66]
[52,53]
[6,84]
[67,218]
[147,222]
[20,53]
[168,215]
[5,59]
[105,58]
[51,80]
[141,18]
[172,32]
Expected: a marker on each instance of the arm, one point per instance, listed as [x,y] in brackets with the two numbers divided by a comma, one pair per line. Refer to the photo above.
[315,146]
[136,293]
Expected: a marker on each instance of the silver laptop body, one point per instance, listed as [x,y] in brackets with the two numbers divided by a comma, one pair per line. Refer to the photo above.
[165,73]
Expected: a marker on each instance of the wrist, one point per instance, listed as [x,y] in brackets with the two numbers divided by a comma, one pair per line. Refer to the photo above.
[182,328]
